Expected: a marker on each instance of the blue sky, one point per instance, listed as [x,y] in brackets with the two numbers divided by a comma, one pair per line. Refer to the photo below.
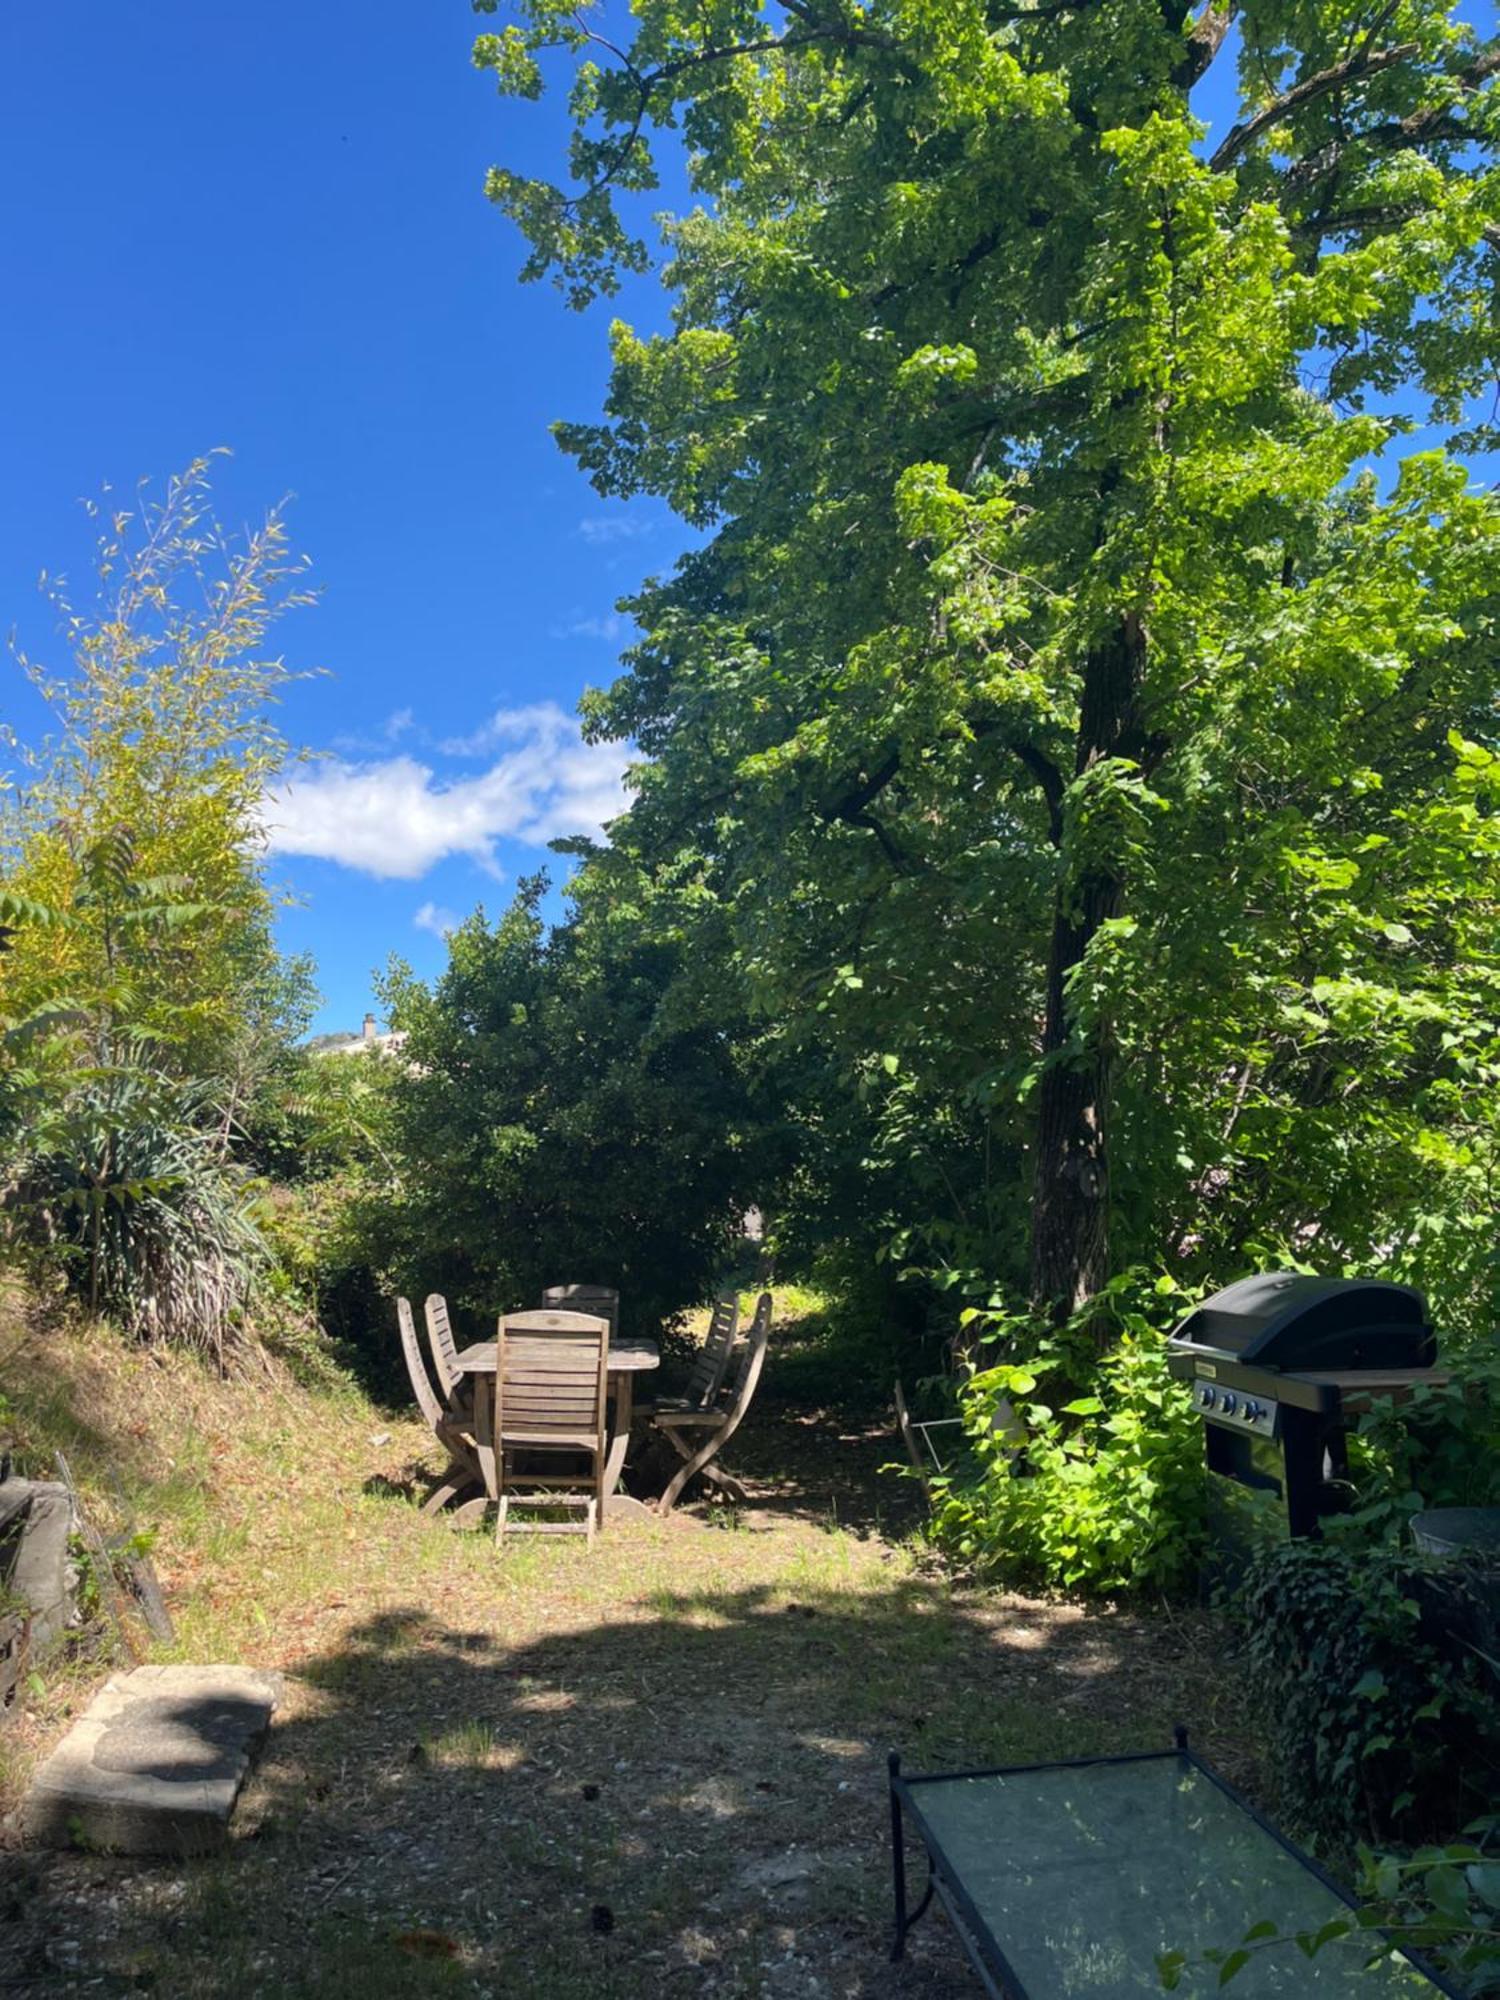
[263,227]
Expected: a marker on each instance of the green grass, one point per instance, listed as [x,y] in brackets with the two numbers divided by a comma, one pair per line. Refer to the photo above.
[481,1752]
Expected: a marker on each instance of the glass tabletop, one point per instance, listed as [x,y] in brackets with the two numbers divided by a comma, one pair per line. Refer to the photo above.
[1084,1873]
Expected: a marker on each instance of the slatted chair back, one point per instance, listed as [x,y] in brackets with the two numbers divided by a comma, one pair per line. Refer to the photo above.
[712,1358]
[601,1299]
[724,1419]
[749,1363]
[440,1340]
[551,1376]
[422,1389]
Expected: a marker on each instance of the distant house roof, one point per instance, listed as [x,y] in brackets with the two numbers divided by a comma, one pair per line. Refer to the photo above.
[363,1043]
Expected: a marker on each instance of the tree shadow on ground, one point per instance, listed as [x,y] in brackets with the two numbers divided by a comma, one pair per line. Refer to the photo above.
[828,1465]
[687,1797]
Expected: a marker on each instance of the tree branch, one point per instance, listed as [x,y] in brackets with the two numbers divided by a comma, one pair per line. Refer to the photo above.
[1308,91]
[1431,123]
[1204,43]
[1048,775]
[1050,779]
[647,82]
[868,788]
[1388,215]
[853,810]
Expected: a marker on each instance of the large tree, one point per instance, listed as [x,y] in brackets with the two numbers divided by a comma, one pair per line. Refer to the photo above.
[1053,675]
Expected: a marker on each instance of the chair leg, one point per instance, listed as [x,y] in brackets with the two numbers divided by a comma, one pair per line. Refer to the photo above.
[694,1463]
[721,1477]
[455,1480]
[500,1514]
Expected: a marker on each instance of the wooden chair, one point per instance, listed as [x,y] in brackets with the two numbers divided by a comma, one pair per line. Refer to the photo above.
[454,1384]
[551,1373]
[719,1420]
[709,1363]
[601,1299]
[447,1425]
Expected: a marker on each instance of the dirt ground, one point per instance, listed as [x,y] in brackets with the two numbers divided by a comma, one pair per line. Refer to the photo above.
[653,1769]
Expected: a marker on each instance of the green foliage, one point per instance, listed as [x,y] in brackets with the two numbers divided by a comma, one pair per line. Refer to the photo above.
[555,1116]
[1071,738]
[1440,1447]
[130,1194]
[138,820]
[1377,1713]
[1441,1901]
[1079,747]
[1102,1490]
[312,1116]
[142,1000]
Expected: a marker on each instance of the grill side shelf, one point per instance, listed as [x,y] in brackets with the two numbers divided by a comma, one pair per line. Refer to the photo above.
[1189,1363]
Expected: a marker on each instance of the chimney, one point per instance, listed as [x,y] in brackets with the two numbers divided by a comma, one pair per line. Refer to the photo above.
[367,1032]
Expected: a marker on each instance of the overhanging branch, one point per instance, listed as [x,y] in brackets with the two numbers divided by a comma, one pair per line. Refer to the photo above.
[1434,123]
[1364,63]
[1204,43]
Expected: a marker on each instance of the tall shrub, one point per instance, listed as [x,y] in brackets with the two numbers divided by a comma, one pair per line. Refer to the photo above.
[141,993]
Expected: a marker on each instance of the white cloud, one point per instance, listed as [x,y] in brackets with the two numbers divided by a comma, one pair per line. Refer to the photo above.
[399,723]
[396,818]
[599,529]
[608,628]
[435,918]
[542,720]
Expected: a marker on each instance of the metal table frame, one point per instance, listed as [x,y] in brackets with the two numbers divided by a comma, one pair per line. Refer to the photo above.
[996,1973]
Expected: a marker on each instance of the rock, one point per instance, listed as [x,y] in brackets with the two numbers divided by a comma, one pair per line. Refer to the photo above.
[35,1520]
[155,1763]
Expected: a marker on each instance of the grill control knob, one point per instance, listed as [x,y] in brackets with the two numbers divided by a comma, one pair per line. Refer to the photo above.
[1228,1404]
[1206,1398]
[1252,1410]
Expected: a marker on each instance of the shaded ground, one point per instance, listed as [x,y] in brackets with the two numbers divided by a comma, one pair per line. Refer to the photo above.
[655,1769]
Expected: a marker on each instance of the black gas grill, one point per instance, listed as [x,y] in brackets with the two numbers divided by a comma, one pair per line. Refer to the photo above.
[1277,1365]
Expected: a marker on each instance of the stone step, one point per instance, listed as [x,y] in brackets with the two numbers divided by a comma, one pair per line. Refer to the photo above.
[155,1763]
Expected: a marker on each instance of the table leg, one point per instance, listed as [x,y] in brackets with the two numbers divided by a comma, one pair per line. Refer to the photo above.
[618,1505]
[484,1432]
[619,1444]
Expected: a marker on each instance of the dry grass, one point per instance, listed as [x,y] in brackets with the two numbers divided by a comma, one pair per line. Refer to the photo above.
[657,1769]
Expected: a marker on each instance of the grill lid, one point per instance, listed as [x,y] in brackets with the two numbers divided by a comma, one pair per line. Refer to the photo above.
[1281,1320]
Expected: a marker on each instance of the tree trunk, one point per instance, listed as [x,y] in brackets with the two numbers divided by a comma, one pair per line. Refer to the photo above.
[1070,1192]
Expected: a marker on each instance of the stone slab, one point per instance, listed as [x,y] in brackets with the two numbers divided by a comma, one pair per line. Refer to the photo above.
[156,1762]
[36,1518]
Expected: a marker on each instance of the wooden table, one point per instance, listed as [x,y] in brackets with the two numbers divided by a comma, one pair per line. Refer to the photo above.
[627,1359]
